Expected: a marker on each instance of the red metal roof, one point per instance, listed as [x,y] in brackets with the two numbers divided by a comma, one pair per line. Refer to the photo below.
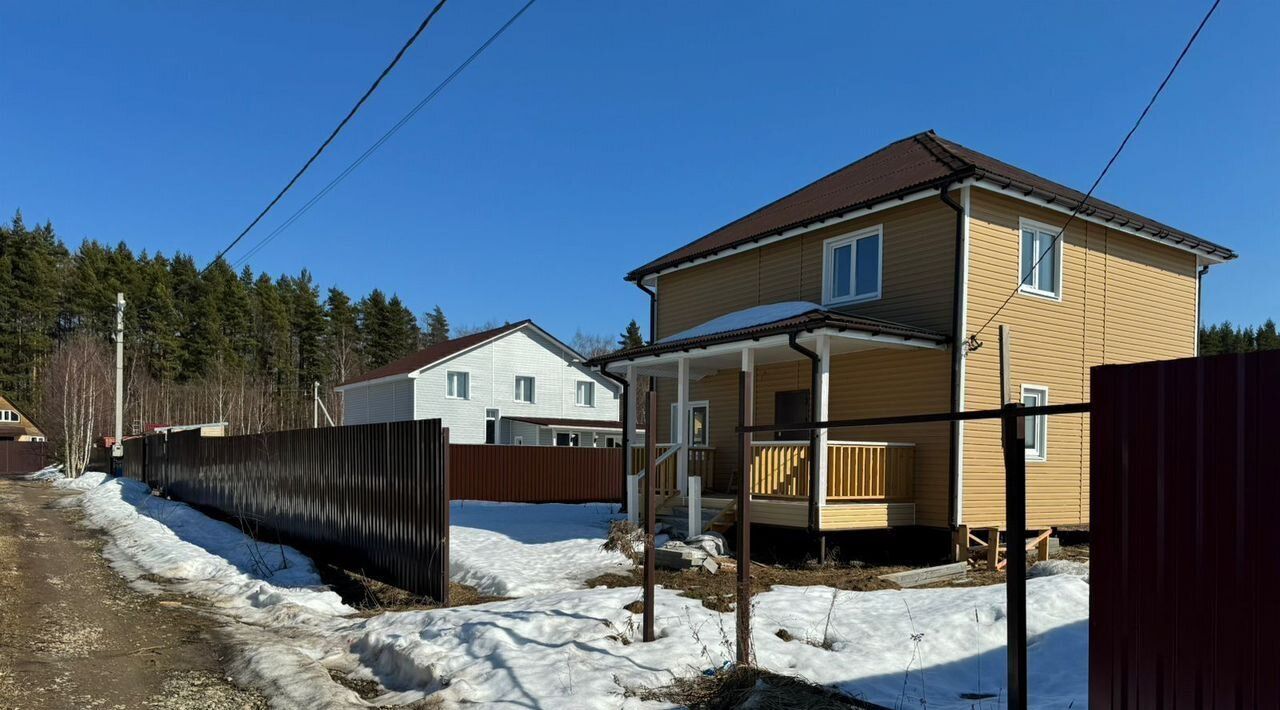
[431,355]
[918,162]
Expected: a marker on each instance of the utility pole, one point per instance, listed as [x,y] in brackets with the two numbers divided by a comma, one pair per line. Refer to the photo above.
[117,448]
[315,405]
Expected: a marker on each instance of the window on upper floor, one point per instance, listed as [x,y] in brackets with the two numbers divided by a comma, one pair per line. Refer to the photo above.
[457,385]
[1037,427]
[852,267]
[9,415]
[525,386]
[585,394]
[1040,260]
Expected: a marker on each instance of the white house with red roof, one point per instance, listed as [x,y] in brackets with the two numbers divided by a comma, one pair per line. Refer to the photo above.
[516,385]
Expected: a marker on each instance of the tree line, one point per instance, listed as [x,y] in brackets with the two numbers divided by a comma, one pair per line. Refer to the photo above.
[202,344]
[1225,338]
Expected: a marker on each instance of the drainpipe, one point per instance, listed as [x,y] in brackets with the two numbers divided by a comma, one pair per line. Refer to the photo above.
[1199,300]
[653,309]
[957,358]
[626,441]
[813,433]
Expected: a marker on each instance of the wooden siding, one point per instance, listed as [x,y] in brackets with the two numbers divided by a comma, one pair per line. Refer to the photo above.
[919,244]
[867,516]
[1124,299]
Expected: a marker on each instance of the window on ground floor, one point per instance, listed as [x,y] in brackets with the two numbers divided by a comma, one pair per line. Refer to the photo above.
[1037,427]
[699,421]
[491,426]
[567,438]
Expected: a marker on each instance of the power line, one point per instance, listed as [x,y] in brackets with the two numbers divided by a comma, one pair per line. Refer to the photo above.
[385,136]
[973,342]
[334,134]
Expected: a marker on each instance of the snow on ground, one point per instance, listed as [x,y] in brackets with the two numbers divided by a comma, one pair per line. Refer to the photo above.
[48,473]
[520,549]
[578,648]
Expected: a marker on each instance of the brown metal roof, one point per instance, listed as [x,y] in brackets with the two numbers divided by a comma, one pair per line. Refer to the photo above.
[559,422]
[817,318]
[922,161]
[435,353]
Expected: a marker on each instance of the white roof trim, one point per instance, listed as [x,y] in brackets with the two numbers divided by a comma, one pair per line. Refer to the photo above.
[1018,194]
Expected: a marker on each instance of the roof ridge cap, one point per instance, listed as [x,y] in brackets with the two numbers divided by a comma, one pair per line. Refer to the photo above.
[931,142]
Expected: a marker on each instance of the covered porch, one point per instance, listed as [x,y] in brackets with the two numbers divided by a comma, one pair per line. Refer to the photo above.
[786,354]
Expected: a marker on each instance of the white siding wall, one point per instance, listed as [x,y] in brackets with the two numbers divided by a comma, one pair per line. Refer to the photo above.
[493,369]
[379,402]
[512,429]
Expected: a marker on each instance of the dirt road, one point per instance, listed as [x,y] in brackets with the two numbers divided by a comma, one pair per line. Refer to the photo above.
[74,635]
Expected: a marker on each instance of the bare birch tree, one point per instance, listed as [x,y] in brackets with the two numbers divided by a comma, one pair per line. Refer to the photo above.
[75,398]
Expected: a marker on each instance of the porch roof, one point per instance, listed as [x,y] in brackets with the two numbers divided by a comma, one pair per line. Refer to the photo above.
[566,423]
[779,319]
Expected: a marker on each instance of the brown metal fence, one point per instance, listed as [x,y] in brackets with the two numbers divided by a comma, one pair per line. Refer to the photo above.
[1185,483]
[373,497]
[23,456]
[535,474]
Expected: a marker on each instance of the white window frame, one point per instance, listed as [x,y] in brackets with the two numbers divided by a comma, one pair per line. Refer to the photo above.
[1025,224]
[497,427]
[448,379]
[829,247]
[38,439]
[10,416]
[533,389]
[591,387]
[1040,451]
[707,423]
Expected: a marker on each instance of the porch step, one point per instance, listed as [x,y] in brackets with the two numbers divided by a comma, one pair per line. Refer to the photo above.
[677,520]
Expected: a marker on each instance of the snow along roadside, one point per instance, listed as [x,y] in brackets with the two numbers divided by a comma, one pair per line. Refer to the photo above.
[574,648]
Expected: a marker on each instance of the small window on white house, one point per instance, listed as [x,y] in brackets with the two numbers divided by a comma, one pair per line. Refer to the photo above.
[1037,427]
[458,385]
[585,395]
[567,438]
[1040,260]
[37,438]
[851,267]
[8,415]
[524,388]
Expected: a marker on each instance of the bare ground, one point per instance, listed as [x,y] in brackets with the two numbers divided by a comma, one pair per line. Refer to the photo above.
[73,634]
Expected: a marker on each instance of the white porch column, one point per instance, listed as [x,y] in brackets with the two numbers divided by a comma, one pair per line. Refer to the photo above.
[682,424]
[629,407]
[824,410]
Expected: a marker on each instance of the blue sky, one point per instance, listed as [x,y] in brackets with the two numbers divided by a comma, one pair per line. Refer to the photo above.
[597,135]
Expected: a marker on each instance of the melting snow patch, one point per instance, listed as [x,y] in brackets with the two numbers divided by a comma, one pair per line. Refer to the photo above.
[519,549]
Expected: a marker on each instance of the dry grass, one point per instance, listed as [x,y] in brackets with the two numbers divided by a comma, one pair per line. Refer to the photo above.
[718,591]
[625,538]
[370,596]
[745,687]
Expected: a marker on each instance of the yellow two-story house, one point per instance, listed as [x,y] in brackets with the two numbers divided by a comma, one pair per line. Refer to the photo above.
[878,290]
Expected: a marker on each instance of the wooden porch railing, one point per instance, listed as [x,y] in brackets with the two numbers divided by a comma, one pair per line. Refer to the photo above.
[702,462]
[780,469]
[856,471]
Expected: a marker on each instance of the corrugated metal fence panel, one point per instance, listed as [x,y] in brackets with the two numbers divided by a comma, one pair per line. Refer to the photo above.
[23,456]
[1185,484]
[536,474]
[373,497]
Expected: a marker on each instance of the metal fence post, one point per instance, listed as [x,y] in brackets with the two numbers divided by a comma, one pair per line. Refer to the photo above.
[650,515]
[1014,437]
